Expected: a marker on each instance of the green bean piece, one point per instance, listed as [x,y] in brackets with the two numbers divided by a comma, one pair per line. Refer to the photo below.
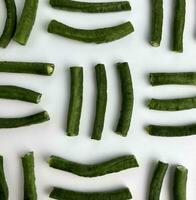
[178,25]
[127,99]
[4,192]
[118,194]
[24,121]
[92,170]
[29,177]
[156,22]
[157,181]
[101,35]
[19,93]
[101,101]
[27,67]
[180,180]
[10,24]
[91,7]
[75,103]
[182,78]
[26,22]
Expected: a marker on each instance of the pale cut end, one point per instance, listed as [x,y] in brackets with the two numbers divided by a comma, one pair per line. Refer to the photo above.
[50,69]
[46,115]
[182,168]
[38,98]
[155,44]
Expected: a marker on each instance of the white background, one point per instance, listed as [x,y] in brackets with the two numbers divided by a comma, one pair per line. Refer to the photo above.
[50,137]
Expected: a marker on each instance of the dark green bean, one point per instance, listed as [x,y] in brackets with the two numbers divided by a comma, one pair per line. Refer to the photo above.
[4,192]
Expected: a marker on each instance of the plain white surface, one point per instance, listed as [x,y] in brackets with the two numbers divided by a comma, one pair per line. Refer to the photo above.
[49,138]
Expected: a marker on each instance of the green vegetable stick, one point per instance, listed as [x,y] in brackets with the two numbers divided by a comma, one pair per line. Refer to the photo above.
[156,22]
[98,36]
[26,22]
[101,101]
[10,24]
[29,177]
[91,7]
[127,99]
[119,194]
[180,180]
[111,166]
[157,181]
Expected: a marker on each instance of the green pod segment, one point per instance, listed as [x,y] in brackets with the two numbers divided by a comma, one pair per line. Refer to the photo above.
[101,35]
[93,170]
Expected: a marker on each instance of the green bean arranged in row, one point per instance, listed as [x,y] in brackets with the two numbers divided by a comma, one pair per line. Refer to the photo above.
[98,36]
[101,101]
[93,170]
[26,22]
[10,24]
[46,69]
[157,181]
[118,194]
[91,7]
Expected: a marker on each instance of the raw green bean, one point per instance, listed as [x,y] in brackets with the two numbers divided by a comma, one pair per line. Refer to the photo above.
[127,99]
[91,7]
[10,24]
[26,22]
[27,67]
[157,181]
[182,78]
[101,101]
[4,192]
[156,22]
[29,177]
[24,121]
[19,93]
[111,166]
[75,103]
[180,180]
[98,36]
[118,194]
[178,25]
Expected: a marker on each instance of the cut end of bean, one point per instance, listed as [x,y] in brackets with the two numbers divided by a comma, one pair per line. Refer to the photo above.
[148,129]
[50,69]
[155,44]
[46,115]
[182,168]
[39,98]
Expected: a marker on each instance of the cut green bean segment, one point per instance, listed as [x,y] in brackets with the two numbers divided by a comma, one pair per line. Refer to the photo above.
[4,192]
[75,103]
[182,78]
[10,24]
[180,180]
[24,121]
[157,181]
[26,22]
[178,25]
[98,36]
[19,93]
[118,194]
[156,22]
[127,99]
[29,177]
[27,67]
[101,101]
[91,7]
[111,166]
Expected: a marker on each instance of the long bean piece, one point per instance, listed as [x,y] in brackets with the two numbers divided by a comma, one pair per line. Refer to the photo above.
[27,67]
[182,78]
[93,170]
[157,181]
[98,36]
[178,25]
[26,22]
[19,93]
[180,180]
[156,22]
[127,99]
[91,7]
[10,24]
[24,121]
[62,194]
[29,177]
[4,192]
[101,101]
